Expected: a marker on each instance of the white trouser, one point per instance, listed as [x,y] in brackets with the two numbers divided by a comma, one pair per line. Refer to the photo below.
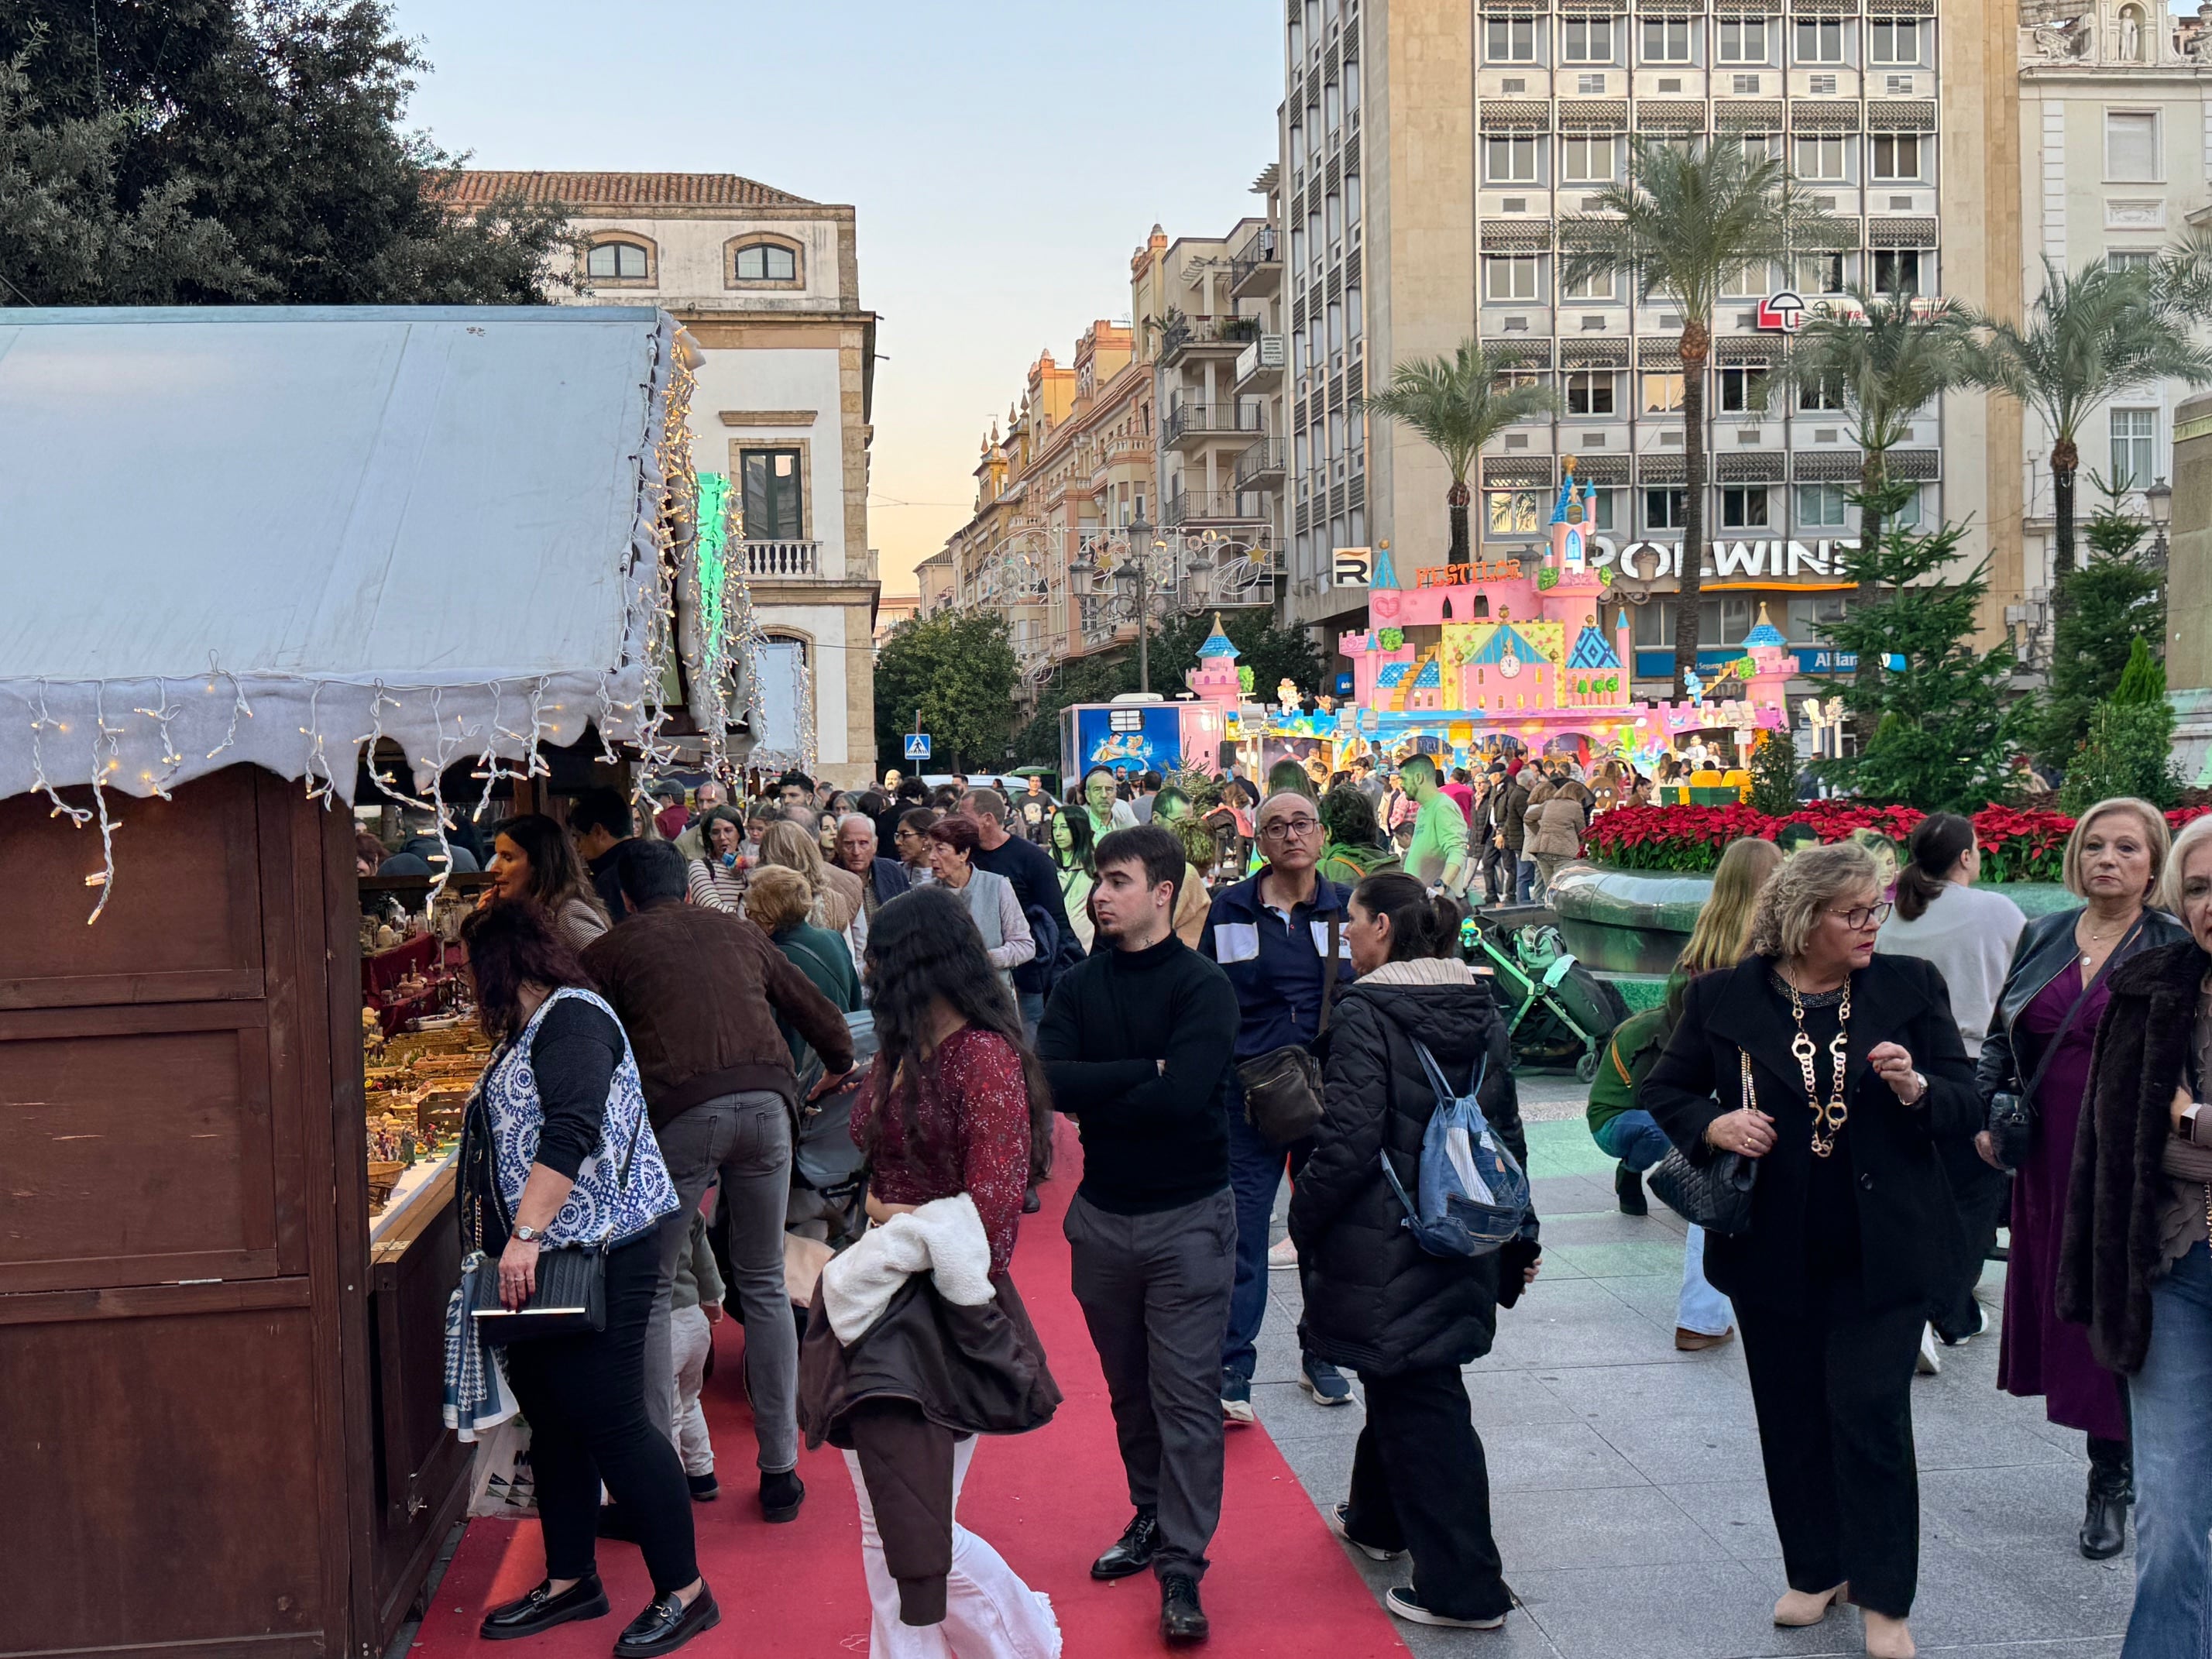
[692,1339]
[989,1614]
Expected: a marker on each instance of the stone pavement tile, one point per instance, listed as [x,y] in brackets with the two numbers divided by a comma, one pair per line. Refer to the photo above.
[1500,1398]
[2027,1512]
[1620,1526]
[1644,1258]
[1973,1596]
[1693,1609]
[1655,1297]
[1604,1395]
[1554,1457]
[1683,1451]
[1322,1464]
[1519,1638]
[1567,1321]
[1956,1428]
[1290,1412]
[1737,1514]
[1609,1226]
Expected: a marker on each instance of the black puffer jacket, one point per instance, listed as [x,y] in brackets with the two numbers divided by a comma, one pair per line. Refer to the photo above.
[1375,1300]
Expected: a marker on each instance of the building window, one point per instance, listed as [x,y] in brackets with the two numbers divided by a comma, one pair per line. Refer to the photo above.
[2131,147]
[2135,447]
[1509,278]
[1509,39]
[1509,161]
[776,506]
[1819,273]
[1742,40]
[1821,159]
[764,262]
[1810,615]
[1590,391]
[1743,390]
[1908,514]
[1889,41]
[1820,40]
[1586,161]
[1601,508]
[1666,509]
[2136,259]
[1654,625]
[1820,395]
[1743,508]
[1511,513]
[1587,40]
[1756,281]
[1665,40]
[1663,394]
[1597,286]
[1898,270]
[1897,157]
[1820,507]
[618,262]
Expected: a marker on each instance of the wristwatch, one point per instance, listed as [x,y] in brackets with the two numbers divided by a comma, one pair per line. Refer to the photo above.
[529,1235]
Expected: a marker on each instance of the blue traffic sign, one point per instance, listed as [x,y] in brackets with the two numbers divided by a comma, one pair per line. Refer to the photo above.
[917,745]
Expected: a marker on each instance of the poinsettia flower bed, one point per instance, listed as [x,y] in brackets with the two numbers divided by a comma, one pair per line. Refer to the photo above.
[2016,845]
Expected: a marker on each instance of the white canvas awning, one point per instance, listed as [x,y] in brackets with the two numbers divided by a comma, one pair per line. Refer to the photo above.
[439,525]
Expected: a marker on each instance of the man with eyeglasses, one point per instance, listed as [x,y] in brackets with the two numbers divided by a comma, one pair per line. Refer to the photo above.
[1280,937]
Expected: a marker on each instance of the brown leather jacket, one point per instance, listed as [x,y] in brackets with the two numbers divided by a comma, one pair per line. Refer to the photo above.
[698,991]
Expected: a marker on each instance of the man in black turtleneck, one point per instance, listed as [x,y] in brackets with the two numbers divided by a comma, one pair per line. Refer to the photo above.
[1136,1041]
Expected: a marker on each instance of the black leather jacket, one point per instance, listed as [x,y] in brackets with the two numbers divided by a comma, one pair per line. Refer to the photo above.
[2045,947]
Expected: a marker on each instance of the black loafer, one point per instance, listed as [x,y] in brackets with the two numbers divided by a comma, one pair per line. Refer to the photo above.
[1133,1552]
[541,1610]
[781,1495]
[666,1625]
[1182,1618]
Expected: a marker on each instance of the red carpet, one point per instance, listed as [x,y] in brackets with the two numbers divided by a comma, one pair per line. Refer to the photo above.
[1280,1584]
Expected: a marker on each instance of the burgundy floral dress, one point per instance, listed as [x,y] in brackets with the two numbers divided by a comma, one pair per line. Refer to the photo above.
[969,1109]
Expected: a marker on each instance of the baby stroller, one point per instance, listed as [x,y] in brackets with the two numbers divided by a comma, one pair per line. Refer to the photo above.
[1559,1012]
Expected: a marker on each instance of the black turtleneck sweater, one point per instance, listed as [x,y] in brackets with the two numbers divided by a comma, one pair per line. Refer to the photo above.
[1154,1137]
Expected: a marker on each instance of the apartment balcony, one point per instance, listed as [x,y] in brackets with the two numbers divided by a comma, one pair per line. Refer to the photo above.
[1201,336]
[1260,365]
[1196,508]
[1122,452]
[1190,425]
[1260,467]
[783,562]
[1255,267]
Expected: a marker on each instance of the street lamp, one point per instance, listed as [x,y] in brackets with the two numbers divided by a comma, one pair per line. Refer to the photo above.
[2158,502]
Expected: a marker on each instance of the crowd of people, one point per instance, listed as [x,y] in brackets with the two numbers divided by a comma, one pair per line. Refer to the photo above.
[1838,1085]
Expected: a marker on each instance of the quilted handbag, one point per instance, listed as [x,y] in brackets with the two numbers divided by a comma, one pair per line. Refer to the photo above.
[1716,1195]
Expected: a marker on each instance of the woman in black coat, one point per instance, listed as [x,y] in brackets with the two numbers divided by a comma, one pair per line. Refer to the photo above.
[1375,1301]
[1856,1071]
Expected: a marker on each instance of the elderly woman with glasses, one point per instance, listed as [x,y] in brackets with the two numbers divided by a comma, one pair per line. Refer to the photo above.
[1838,1072]
[1279,936]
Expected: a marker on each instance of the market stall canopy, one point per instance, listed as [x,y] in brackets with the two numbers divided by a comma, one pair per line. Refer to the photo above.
[272,534]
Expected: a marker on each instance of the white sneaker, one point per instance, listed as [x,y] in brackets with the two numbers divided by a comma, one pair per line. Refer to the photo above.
[1336,1514]
[1282,1255]
[1401,1601]
[1981,1325]
[1929,1363]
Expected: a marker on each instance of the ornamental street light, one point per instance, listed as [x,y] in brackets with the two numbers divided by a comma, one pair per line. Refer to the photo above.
[2157,503]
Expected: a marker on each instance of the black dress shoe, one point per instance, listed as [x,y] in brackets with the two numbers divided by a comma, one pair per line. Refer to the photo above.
[666,1625]
[1030,1202]
[1133,1552]
[541,1610]
[781,1495]
[2105,1522]
[1182,1618]
[1628,1188]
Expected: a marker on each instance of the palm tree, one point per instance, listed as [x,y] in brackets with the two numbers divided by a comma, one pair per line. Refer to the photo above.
[1457,405]
[1690,217]
[1891,355]
[2093,336]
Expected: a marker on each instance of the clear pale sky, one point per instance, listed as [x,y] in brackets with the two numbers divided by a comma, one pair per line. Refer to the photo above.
[1005,160]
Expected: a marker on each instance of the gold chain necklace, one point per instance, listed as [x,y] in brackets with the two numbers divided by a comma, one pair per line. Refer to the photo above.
[1827,1120]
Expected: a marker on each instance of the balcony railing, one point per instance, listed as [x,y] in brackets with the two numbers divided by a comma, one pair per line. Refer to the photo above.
[1188,507]
[1263,464]
[1201,420]
[783,561]
[1188,333]
[1256,264]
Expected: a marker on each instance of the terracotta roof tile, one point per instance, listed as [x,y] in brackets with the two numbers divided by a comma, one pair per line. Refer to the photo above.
[477,187]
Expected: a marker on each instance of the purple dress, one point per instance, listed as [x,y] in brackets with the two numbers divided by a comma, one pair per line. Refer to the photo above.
[2041,1353]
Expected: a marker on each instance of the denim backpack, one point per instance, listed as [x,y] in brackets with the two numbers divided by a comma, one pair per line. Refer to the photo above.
[1473,1195]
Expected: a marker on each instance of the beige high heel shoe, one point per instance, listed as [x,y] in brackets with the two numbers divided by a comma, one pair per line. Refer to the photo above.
[1886,1638]
[1800,1608]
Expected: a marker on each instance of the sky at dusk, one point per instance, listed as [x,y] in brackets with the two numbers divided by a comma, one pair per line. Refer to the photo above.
[1005,160]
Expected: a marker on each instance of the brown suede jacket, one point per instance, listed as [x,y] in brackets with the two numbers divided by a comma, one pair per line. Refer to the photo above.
[698,991]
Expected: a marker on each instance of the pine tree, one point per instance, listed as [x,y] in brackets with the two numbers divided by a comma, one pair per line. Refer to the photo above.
[2129,747]
[1941,729]
[2115,596]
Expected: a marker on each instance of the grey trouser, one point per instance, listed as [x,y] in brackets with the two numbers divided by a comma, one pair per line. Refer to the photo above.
[1155,1293]
[745,1138]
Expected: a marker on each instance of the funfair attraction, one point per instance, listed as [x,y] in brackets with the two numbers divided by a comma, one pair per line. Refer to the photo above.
[1468,662]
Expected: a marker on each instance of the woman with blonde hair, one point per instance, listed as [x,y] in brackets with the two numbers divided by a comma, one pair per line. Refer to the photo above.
[1837,1072]
[838,904]
[1618,1121]
[2037,1055]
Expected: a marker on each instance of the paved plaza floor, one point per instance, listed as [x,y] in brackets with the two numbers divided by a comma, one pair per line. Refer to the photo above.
[1626,1489]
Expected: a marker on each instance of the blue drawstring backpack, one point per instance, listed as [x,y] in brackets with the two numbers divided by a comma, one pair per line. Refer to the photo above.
[1473,1195]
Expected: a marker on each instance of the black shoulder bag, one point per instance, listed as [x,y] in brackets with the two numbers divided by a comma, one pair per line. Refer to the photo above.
[2012,1116]
[1282,1087]
[1715,1195]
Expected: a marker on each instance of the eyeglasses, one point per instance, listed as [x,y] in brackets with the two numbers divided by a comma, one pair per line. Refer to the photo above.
[1291,827]
[1863,916]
